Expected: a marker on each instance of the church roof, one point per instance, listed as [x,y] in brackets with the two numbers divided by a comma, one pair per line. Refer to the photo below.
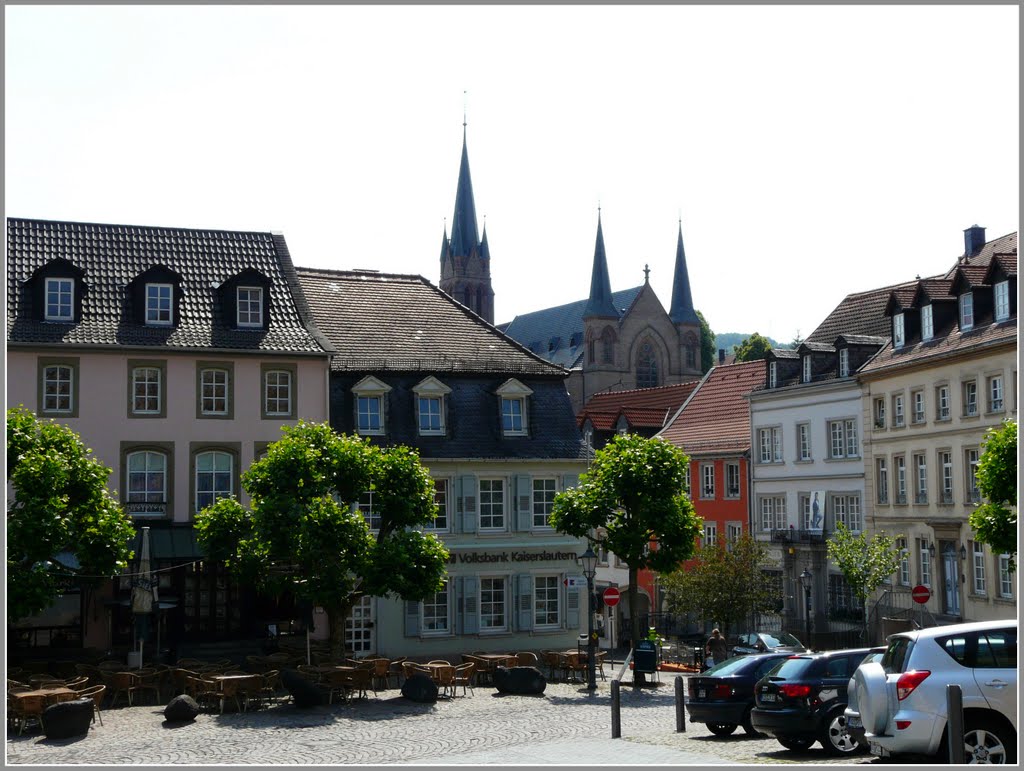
[563,323]
[464,228]
[600,302]
[682,311]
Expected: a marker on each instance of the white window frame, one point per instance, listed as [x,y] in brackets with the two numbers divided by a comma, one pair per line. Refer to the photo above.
[769,444]
[249,306]
[733,484]
[160,305]
[927,323]
[215,492]
[899,337]
[846,509]
[881,480]
[996,403]
[277,398]
[803,441]
[64,299]
[917,414]
[904,568]
[58,375]
[436,614]
[773,374]
[148,470]
[365,507]
[806,368]
[972,493]
[844,362]
[733,532]
[369,392]
[490,627]
[898,414]
[442,497]
[926,563]
[978,565]
[843,440]
[546,598]
[431,392]
[920,477]
[710,533]
[1005,577]
[970,397]
[966,305]
[946,478]
[151,390]
[220,391]
[879,412]
[510,394]
[496,509]
[359,625]
[899,465]
[1001,300]
[707,480]
[942,407]
[543,492]
[804,506]
[772,509]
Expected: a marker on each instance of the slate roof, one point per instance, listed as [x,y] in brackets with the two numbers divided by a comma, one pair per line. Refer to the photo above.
[564,322]
[111,256]
[861,340]
[643,407]
[381,322]
[1003,245]
[860,313]
[716,419]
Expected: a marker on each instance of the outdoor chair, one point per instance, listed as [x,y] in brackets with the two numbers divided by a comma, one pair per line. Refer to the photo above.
[123,682]
[149,681]
[444,676]
[551,660]
[464,677]
[96,693]
[599,663]
[271,685]
[408,669]
[381,670]
[395,669]
[14,684]
[360,681]
[203,691]
[27,708]
[526,659]
[77,683]
[338,684]
[440,661]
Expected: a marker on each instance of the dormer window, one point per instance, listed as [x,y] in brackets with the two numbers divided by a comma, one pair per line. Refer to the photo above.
[1001,294]
[773,374]
[844,362]
[370,406]
[250,306]
[159,304]
[966,311]
[60,299]
[898,335]
[807,368]
[513,399]
[927,323]
[431,398]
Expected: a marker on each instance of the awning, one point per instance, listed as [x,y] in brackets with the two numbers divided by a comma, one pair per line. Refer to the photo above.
[177,542]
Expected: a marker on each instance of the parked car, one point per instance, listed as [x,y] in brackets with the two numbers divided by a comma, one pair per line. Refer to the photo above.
[902,698]
[763,642]
[802,698]
[852,712]
[723,696]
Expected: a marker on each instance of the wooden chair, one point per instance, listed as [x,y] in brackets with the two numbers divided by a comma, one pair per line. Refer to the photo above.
[150,681]
[440,661]
[464,677]
[395,669]
[123,682]
[338,684]
[77,683]
[229,689]
[360,681]
[96,693]
[526,659]
[271,685]
[552,661]
[202,690]
[444,676]
[27,708]
[599,662]
[381,670]
[408,669]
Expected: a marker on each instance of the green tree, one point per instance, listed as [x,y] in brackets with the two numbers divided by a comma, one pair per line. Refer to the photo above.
[60,503]
[725,583]
[707,344]
[634,492]
[304,533]
[995,521]
[797,341]
[864,562]
[752,348]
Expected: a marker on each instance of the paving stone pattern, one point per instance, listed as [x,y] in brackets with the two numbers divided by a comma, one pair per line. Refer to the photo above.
[564,725]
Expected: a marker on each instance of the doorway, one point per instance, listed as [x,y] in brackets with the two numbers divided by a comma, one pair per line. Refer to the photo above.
[951,579]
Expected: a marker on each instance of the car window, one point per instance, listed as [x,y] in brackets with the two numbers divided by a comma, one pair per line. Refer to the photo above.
[791,668]
[782,638]
[997,649]
[764,667]
[727,667]
[957,647]
[896,656]
[838,667]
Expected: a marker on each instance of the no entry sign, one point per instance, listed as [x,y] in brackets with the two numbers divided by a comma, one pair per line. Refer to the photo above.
[921,593]
[611,596]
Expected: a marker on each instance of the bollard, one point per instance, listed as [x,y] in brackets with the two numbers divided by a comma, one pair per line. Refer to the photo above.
[616,720]
[955,723]
[680,706]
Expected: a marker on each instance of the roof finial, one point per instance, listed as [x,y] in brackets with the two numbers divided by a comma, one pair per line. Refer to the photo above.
[647,273]
[463,110]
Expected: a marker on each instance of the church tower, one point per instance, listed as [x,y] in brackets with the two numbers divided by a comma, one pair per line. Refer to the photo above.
[600,318]
[682,314]
[465,261]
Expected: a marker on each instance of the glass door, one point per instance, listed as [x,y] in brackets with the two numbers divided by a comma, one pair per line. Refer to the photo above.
[951,580]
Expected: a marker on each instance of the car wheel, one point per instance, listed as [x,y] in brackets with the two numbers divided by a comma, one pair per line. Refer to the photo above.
[872,698]
[748,727]
[836,738]
[991,742]
[722,729]
[796,744]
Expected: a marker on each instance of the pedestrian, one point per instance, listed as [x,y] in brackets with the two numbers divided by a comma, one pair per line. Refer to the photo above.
[715,650]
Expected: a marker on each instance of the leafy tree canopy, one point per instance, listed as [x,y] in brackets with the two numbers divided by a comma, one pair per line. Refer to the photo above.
[995,521]
[60,503]
[865,562]
[304,533]
[707,344]
[753,348]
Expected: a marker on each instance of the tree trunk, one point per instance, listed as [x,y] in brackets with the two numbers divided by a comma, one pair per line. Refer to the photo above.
[634,621]
[336,629]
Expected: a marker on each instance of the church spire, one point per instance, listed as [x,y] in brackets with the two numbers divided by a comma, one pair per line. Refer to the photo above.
[600,302]
[682,311]
[464,229]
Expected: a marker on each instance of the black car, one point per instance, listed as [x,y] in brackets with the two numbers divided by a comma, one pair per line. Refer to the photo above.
[723,696]
[802,698]
[763,642]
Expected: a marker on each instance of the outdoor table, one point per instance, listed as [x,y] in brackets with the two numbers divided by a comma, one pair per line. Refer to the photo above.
[219,679]
[53,695]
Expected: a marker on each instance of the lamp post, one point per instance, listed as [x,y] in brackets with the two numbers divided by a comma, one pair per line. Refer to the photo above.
[589,561]
[805,581]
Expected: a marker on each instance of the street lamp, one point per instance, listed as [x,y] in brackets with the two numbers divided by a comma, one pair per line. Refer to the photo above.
[805,581]
[589,561]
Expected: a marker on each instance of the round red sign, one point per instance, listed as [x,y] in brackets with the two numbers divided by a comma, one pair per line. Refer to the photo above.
[611,596]
[921,593]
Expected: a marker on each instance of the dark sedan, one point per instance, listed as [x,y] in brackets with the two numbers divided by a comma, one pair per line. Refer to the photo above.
[723,696]
[764,642]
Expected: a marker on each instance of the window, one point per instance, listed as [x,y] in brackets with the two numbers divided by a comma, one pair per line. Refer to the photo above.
[647,366]
[214,384]
[430,406]
[733,532]
[805,512]
[844,362]
[926,562]
[513,395]
[732,480]
[966,311]
[370,402]
[147,391]
[546,612]
[970,398]
[440,521]
[995,393]
[971,470]
[882,480]
[359,627]
[880,412]
[159,304]
[58,388]
[978,565]
[900,465]
[147,483]
[807,368]
[904,569]
[492,504]
[214,477]
[846,510]
[917,406]
[897,411]
[60,299]
[898,336]
[946,483]
[250,306]
[920,478]
[278,388]
[773,513]
[843,439]
[942,402]
[770,444]
[543,500]
[365,506]
[436,613]
[927,323]
[1005,577]
[803,440]
[773,374]
[710,533]
[607,346]
[686,480]
[492,604]
[707,480]
[1001,294]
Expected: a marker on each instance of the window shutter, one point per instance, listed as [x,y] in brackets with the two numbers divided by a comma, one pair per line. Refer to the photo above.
[468,504]
[524,501]
[412,619]
[459,506]
[570,480]
[471,605]
[572,608]
[525,606]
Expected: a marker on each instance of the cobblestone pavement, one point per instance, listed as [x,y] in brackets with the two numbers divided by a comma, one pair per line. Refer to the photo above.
[565,725]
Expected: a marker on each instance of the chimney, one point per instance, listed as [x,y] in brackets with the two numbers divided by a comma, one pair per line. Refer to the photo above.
[721,356]
[974,239]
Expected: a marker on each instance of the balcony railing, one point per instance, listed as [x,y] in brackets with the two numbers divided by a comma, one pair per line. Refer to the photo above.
[946,497]
[138,509]
[921,498]
[792,535]
[900,498]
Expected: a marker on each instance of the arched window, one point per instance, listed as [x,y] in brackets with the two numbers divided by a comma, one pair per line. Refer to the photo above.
[690,349]
[147,482]
[647,366]
[607,346]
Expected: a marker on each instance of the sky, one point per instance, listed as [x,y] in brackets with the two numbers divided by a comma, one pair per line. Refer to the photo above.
[808,151]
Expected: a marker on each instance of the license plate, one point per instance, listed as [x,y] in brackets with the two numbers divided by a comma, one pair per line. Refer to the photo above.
[767,697]
[701,693]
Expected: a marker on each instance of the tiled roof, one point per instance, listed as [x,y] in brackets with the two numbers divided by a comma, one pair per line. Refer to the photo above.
[861,340]
[903,296]
[785,353]
[931,289]
[969,276]
[861,313]
[563,324]
[716,419]
[390,322]
[1003,245]
[111,256]
[817,347]
[1008,262]
[954,343]
[642,407]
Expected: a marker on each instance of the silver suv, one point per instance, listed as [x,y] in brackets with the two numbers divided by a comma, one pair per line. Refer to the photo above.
[902,699]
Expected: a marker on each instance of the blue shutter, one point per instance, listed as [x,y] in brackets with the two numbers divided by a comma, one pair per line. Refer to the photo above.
[525,612]
[469,498]
[570,480]
[524,501]
[412,619]
[471,605]
[573,600]
[457,492]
